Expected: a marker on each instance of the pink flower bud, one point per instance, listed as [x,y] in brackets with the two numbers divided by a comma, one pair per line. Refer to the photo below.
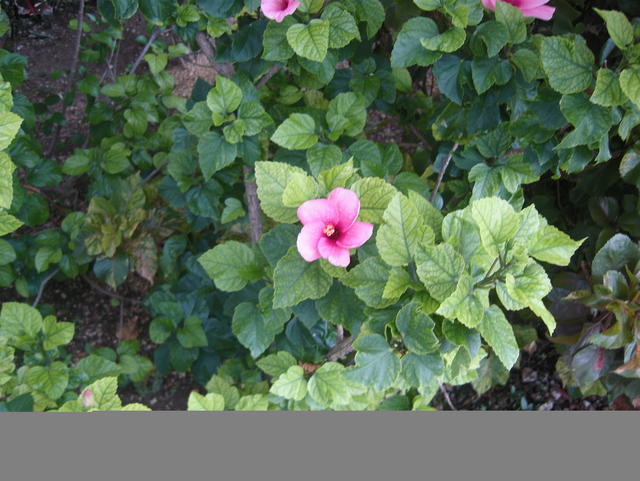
[88,401]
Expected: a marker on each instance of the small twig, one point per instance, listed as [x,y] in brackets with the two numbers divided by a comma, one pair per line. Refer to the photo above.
[442,171]
[107,293]
[253,205]
[144,51]
[154,172]
[221,68]
[268,76]
[341,349]
[43,285]
[446,396]
[71,78]
[339,333]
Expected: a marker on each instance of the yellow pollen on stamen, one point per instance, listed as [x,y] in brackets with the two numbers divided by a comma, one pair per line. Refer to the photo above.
[329,230]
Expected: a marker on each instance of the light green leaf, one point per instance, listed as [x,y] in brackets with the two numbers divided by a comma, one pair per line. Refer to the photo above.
[276,46]
[208,402]
[399,281]
[296,133]
[466,304]
[231,266]
[630,83]
[9,126]
[328,386]
[608,92]
[369,279]
[252,402]
[568,64]
[342,26]
[447,42]
[276,364]
[291,384]
[17,319]
[310,41]
[6,180]
[223,99]
[301,187]
[295,280]
[497,332]
[619,28]
[272,179]
[401,231]
[439,269]
[497,222]
[323,157]
[51,380]
[346,115]
[553,246]
[255,118]
[511,17]
[374,194]
[7,253]
[56,333]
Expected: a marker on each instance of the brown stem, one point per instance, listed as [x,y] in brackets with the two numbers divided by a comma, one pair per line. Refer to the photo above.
[72,76]
[42,286]
[107,293]
[144,51]
[341,349]
[270,73]
[445,393]
[253,205]
[442,171]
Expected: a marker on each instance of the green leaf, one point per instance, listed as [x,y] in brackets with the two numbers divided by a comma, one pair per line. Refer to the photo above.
[618,252]
[328,386]
[233,210]
[157,11]
[51,380]
[376,364]
[374,194]
[9,126]
[208,402]
[369,279]
[342,26]
[301,187]
[630,83]
[497,223]
[340,306]
[608,92]
[322,157]
[276,364]
[591,121]
[192,334]
[568,64]
[420,370]
[408,50]
[400,232]
[45,256]
[439,269]
[346,115]
[296,133]
[447,42]
[56,333]
[341,175]
[295,280]
[254,329]
[105,394]
[291,384]
[17,319]
[276,46]
[553,246]
[310,41]
[7,253]
[494,35]
[619,28]
[272,179]
[528,289]
[511,17]
[417,329]
[6,181]
[255,118]
[466,304]
[214,154]
[497,332]
[235,131]
[399,281]
[8,223]
[223,99]
[231,266]
[252,402]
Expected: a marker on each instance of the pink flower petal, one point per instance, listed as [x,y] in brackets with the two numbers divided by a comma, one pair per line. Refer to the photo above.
[529,4]
[278,9]
[318,210]
[347,205]
[543,13]
[337,256]
[358,234]
[307,242]
[490,4]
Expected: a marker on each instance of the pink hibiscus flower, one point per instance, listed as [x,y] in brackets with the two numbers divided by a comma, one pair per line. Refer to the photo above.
[330,228]
[529,8]
[278,9]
